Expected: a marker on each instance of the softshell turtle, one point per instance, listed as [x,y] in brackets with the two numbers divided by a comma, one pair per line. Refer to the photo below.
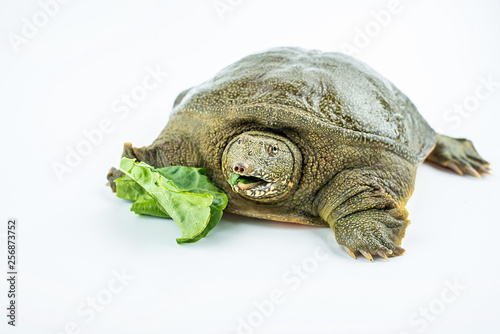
[309,137]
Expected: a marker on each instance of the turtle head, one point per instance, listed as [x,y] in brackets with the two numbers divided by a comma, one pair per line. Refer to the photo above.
[262,166]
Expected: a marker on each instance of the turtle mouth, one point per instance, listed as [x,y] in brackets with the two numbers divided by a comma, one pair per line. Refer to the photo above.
[247,182]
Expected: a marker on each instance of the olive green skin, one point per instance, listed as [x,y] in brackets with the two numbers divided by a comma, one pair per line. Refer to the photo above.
[282,167]
[338,112]
[358,138]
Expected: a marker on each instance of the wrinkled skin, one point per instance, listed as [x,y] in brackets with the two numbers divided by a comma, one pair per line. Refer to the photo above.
[273,159]
[332,142]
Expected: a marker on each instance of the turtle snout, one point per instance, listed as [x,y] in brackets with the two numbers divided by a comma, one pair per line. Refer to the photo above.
[241,168]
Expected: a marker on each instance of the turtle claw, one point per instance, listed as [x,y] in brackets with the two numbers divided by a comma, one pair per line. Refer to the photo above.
[472,171]
[367,255]
[350,252]
[485,169]
[382,254]
[453,166]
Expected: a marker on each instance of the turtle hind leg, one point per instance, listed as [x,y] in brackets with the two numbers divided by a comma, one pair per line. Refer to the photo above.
[459,155]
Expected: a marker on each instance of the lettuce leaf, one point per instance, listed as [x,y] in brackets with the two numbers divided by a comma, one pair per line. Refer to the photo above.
[184,194]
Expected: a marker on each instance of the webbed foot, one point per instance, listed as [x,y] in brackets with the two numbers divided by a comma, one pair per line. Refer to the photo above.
[372,232]
[113,174]
[459,155]
[129,152]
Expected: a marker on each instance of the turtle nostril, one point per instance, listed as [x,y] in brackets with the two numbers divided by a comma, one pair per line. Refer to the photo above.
[240,167]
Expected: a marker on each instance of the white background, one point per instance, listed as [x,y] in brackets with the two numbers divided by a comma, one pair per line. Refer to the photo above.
[63,80]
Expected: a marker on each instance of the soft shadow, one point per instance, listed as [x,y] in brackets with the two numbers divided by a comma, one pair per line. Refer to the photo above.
[231,218]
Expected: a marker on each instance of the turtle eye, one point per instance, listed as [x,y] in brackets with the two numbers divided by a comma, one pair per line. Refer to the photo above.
[239,141]
[273,149]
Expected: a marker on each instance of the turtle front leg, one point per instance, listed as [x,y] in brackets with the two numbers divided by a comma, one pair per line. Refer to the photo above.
[372,232]
[167,150]
[154,155]
[114,173]
[365,209]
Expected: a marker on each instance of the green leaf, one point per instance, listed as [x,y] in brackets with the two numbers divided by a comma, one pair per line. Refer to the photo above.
[215,216]
[233,179]
[195,180]
[127,188]
[185,194]
[248,179]
[148,206]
